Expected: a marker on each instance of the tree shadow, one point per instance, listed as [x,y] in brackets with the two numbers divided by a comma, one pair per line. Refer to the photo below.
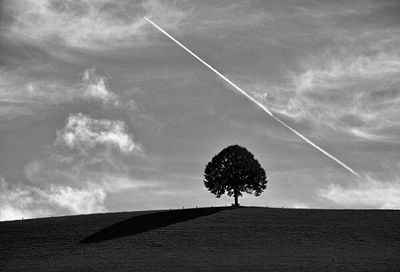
[146,222]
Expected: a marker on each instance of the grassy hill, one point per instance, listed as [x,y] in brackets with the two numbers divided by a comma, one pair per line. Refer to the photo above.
[207,239]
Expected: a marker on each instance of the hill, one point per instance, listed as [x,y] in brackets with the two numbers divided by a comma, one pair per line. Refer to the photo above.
[206,239]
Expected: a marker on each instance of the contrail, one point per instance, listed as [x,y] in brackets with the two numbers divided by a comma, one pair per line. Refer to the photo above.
[255,101]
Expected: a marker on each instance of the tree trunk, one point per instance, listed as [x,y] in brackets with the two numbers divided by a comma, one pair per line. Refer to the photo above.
[236,194]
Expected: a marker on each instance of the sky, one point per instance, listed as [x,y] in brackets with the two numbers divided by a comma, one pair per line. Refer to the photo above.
[100,112]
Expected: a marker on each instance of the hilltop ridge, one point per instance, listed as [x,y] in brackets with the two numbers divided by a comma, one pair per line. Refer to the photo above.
[206,239]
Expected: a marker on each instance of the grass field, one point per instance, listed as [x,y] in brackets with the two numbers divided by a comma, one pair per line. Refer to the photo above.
[208,239]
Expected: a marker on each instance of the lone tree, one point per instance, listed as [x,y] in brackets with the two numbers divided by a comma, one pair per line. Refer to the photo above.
[234,170]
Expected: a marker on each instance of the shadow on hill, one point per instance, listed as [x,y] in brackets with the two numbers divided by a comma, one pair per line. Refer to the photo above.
[146,222]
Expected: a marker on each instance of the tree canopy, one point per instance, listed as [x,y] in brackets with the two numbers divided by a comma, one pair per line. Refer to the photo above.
[234,170]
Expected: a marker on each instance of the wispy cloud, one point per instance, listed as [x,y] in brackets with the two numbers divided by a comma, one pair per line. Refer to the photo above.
[89,24]
[346,67]
[332,72]
[22,96]
[368,193]
[82,132]
[353,95]
[369,136]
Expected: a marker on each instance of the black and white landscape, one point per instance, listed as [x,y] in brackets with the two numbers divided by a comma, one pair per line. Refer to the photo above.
[176,110]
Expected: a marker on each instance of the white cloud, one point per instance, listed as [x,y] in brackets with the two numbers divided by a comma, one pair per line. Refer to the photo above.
[96,88]
[357,95]
[327,72]
[18,202]
[25,201]
[299,206]
[30,201]
[83,132]
[69,181]
[369,136]
[91,24]
[369,193]
[99,90]
[76,200]
[22,96]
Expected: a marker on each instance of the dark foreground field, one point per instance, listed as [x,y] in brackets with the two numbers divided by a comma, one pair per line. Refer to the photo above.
[209,239]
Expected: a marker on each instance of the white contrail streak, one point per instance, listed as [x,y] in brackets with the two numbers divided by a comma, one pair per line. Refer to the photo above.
[254,100]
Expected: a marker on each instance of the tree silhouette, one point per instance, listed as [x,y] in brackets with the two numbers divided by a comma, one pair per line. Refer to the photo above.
[234,170]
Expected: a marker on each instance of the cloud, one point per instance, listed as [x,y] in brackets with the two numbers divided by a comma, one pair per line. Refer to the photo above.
[369,193]
[18,202]
[299,206]
[350,84]
[29,201]
[96,88]
[76,200]
[21,96]
[73,176]
[27,97]
[11,94]
[366,135]
[356,95]
[88,24]
[83,132]
[329,72]
[346,64]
